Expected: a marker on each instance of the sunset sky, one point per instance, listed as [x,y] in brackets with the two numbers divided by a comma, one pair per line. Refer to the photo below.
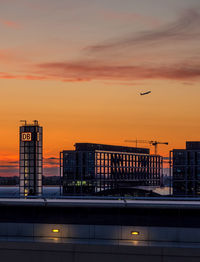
[78,67]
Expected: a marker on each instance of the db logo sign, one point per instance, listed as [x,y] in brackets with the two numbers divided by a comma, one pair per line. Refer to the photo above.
[26,136]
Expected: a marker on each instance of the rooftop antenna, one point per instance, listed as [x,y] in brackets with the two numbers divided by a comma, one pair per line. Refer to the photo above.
[35,122]
[24,121]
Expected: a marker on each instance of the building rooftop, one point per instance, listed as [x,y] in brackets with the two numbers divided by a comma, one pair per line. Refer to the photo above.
[190,145]
[103,147]
[193,145]
[25,123]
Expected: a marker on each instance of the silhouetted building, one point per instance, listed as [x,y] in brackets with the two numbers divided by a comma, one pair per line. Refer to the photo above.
[186,170]
[95,168]
[30,159]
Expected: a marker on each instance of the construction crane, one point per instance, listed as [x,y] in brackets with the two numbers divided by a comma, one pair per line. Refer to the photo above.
[151,142]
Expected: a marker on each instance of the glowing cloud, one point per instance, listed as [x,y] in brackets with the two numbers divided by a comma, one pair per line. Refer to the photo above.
[9,23]
[92,71]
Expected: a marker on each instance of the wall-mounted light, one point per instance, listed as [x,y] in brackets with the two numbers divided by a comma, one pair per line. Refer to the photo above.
[55,230]
[135,233]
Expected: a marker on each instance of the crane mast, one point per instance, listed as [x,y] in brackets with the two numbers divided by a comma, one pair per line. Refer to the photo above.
[151,142]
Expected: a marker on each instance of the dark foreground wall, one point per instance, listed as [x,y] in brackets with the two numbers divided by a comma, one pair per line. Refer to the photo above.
[53,252]
[99,231]
[102,212]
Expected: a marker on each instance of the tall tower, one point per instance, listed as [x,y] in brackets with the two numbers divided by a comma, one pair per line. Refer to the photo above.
[30,150]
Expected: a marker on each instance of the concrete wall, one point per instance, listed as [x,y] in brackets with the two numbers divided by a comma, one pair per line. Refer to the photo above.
[165,234]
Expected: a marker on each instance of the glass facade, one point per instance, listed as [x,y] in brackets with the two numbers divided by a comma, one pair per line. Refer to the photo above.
[91,172]
[31,158]
[78,172]
[186,170]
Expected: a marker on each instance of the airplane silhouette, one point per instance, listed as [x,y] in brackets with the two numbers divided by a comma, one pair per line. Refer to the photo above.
[145,93]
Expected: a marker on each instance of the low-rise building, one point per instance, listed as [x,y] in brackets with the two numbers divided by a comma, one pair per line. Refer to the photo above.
[96,168]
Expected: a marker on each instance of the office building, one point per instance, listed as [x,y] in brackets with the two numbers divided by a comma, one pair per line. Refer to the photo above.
[30,167]
[96,168]
[186,170]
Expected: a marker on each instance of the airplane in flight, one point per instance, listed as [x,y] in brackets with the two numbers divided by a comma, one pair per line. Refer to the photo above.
[145,93]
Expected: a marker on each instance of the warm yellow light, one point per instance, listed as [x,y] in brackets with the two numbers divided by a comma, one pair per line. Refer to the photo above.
[135,233]
[55,230]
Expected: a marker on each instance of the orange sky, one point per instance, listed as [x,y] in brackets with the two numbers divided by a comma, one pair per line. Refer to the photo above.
[79,69]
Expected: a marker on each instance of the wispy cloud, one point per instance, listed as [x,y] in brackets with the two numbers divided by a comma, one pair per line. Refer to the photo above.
[51,162]
[10,23]
[92,71]
[103,63]
[129,17]
[11,168]
[4,75]
[83,71]
[186,27]
[8,166]
[144,55]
